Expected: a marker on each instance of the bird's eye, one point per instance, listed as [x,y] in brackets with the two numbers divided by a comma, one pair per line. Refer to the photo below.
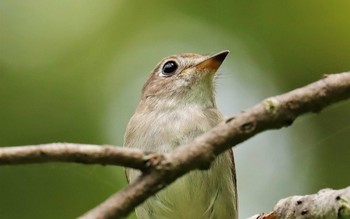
[169,68]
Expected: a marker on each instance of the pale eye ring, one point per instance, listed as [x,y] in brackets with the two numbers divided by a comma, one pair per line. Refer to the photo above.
[169,68]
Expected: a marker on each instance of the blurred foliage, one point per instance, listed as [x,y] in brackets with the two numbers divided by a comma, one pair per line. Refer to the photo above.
[72,71]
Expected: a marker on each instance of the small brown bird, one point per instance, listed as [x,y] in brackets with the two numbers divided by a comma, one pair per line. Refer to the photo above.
[178,104]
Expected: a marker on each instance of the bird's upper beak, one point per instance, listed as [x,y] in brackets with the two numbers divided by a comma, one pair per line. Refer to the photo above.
[213,62]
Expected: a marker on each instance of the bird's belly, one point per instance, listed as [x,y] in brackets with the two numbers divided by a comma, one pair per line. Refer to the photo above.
[198,195]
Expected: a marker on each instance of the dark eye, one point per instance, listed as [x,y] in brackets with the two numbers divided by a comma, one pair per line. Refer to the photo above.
[169,68]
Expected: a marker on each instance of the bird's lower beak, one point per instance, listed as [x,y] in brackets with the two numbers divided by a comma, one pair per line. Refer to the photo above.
[213,62]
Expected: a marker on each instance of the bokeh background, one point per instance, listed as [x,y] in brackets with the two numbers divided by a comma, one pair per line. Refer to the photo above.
[72,71]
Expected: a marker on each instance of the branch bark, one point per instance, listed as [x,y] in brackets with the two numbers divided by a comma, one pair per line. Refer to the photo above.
[327,203]
[159,170]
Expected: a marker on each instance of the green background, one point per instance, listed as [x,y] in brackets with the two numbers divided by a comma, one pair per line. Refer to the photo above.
[72,71]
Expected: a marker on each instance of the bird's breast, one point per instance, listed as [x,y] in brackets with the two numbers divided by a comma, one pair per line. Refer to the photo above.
[200,194]
[164,130]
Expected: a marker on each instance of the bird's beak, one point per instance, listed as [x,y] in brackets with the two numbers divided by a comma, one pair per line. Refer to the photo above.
[213,62]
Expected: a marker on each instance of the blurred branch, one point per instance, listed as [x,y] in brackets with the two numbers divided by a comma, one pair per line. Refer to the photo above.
[159,170]
[327,203]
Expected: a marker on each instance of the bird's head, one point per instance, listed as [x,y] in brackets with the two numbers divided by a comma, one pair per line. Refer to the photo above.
[181,80]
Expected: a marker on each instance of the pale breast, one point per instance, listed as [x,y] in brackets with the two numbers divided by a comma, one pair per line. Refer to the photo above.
[200,194]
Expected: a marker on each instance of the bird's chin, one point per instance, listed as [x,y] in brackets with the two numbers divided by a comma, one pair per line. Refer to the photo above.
[193,89]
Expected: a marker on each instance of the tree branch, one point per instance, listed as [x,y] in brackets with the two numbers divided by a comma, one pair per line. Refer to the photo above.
[327,203]
[78,153]
[159,170]
[272,113]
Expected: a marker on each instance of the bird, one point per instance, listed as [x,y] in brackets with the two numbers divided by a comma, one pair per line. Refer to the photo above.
[178,104]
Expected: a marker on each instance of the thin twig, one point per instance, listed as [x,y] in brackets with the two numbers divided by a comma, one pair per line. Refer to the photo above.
[78,153]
